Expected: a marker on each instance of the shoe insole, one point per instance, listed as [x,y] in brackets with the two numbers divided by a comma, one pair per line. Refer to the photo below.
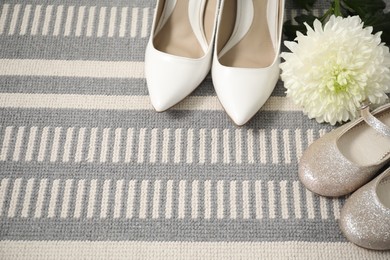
[363,145]
[383,191]
[255,49]
[176,37]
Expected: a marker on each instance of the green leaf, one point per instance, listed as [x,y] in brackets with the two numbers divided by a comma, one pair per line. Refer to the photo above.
[290,29]
[306,4]
[371,12]
[364,7]
[308,18]
[380,22]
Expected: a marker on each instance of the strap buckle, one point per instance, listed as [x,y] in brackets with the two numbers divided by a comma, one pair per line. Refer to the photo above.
[365,104]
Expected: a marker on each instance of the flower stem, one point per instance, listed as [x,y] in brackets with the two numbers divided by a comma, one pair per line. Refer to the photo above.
[337,8]
[326,15]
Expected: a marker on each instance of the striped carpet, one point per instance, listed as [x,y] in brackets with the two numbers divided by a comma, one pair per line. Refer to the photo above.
[89,171]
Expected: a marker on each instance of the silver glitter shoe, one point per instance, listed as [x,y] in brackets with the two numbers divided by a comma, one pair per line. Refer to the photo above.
[345,159]
[365,217]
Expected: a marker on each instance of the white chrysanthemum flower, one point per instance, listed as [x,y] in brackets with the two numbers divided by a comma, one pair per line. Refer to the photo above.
[332,69]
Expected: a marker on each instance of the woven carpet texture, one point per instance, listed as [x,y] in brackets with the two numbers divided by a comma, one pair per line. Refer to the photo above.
[88,170]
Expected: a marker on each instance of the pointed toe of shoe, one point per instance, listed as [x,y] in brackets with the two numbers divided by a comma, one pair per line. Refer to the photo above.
[242,92]
[162,98]
[171,78]
[161,104]
[165,91]
[240,118]
[239,111]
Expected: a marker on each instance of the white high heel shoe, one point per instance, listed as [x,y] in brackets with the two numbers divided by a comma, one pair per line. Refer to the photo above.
[246,60]
[179,52]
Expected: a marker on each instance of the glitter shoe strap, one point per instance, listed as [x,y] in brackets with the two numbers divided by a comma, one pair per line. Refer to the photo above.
[373,121]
